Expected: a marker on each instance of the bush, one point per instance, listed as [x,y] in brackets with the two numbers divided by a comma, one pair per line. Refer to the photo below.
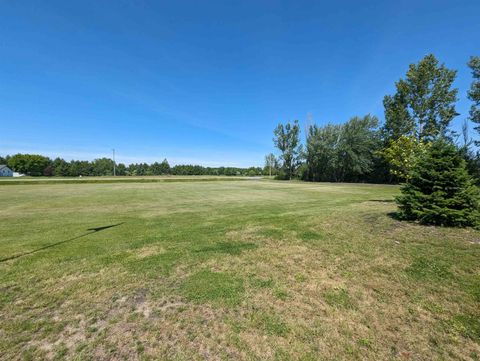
[440,191]
[282,175]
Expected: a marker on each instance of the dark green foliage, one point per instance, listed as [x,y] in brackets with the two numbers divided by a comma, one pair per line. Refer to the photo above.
[102,166]
[38,165]
[398,121]
[342,152]
[474,93]
[29,164]
[440,190]
[287,140]
[160,168]
[424,104]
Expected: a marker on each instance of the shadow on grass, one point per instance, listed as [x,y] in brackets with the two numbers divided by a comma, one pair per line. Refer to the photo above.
[382,200]
[90,231]
[395,216]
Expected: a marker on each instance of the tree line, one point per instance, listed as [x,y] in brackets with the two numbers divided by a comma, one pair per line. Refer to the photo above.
[438,168]
[39,165]
[364,150]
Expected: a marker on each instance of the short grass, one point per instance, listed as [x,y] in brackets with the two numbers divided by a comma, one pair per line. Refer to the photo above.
[224,270]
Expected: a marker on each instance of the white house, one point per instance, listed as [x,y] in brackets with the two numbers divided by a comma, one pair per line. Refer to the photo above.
[5,171]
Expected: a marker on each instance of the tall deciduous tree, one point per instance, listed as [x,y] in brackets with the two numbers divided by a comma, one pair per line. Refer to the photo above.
[424,103]
[398,122]
[342,152]
[287,140]
[359,141]
[322,155]
[270,163]
[474,93]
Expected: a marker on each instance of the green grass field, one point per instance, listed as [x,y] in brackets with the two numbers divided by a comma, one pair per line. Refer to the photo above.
[224,270]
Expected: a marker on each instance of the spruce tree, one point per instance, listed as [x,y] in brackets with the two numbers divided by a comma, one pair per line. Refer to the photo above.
[440,191]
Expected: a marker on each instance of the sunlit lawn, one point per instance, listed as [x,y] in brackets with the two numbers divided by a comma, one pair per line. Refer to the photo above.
[250,269]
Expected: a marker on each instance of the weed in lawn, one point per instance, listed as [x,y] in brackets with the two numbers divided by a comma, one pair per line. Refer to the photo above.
[338,298]
[217,287]
[269,322]
[423,268]
[261,282]
[280,294]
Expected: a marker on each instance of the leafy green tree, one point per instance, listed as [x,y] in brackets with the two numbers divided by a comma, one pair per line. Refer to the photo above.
[398,122]
[29,164]
[322,152]
[254,171]
[102,167]
[121,169]
[155,168]
[440,190]
[474,93]
[61,167]
[287,140]
[424,103]
[342,152]
[402,153]
[358,143]
[81,168]
[270,164]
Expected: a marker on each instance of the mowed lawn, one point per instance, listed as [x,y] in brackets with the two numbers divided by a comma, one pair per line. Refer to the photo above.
[226,270]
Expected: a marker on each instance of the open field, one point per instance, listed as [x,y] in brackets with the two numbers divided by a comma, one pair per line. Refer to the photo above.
[117,179]
[253,270]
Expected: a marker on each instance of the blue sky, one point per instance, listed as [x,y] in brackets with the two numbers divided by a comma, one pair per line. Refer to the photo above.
[207,81]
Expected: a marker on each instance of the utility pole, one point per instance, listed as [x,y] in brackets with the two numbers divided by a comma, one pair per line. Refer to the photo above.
[113,150]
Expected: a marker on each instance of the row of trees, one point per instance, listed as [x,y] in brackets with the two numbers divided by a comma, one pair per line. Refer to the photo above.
[363,150]
[38,165]
[415,145]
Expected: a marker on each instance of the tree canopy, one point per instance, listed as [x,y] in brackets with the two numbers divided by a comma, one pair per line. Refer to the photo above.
[474,93]
[287,140]
[424,102]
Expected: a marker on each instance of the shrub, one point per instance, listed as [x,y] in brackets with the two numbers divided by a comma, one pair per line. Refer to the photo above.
[282,175]
[439,190]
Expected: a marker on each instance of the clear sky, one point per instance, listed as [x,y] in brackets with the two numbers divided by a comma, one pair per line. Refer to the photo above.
[207,81]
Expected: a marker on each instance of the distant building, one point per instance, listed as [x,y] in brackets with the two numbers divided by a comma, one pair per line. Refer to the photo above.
[5,171]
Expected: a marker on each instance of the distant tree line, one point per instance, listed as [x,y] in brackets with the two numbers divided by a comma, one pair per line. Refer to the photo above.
[38,165]
[364,150]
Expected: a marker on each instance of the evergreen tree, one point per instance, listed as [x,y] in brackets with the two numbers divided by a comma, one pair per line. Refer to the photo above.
[440,191]
[165,167]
